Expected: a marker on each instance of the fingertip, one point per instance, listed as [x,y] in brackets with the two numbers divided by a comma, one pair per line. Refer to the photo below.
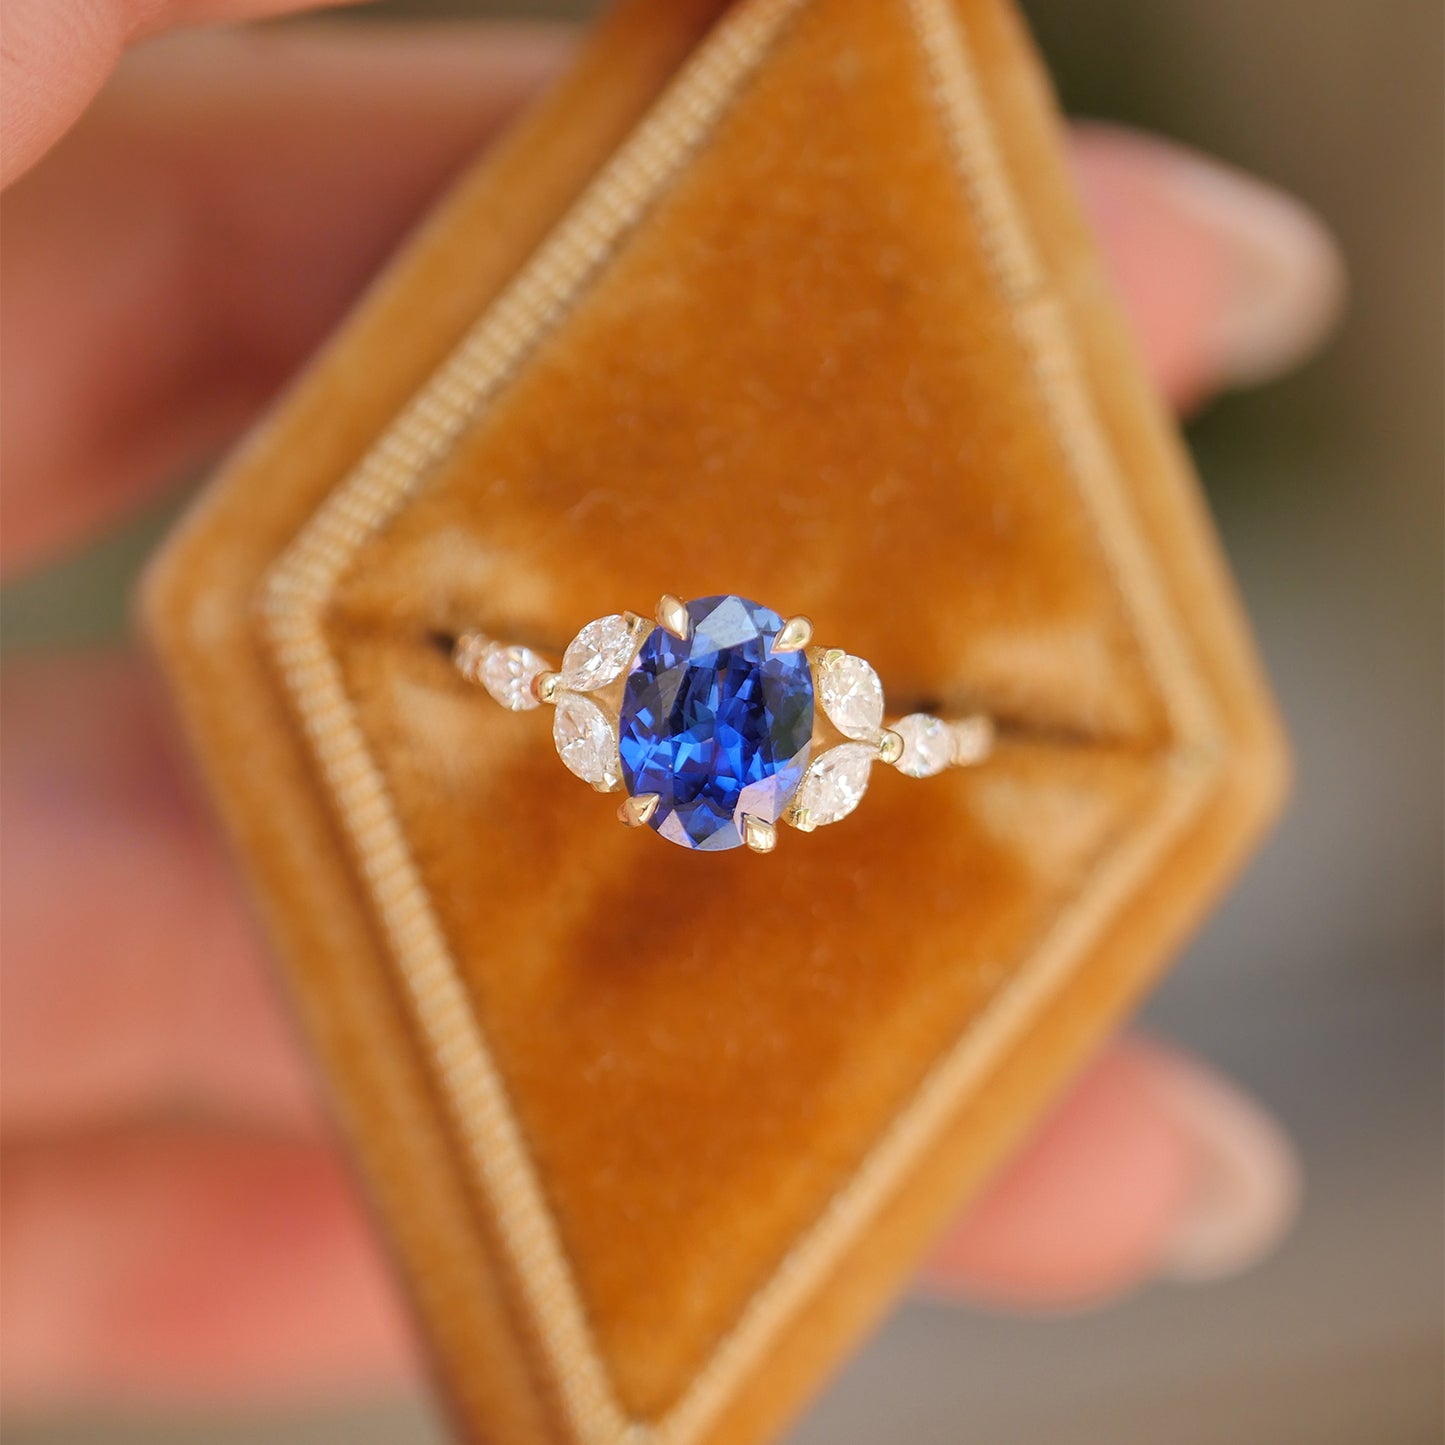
[58,53]
[55,58]
[172,1267]
[1154,1167]
[1080,1214]
[1247,1181]
[1228,280]
[148,344]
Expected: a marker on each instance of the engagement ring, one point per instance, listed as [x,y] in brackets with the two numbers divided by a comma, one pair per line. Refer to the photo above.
[708,718]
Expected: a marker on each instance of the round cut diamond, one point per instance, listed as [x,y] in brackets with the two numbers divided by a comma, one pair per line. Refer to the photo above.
[508,674]
[598,654]
[972,740]
[834,785]
[717,724]
[927,748]
[585,740]
[851,695]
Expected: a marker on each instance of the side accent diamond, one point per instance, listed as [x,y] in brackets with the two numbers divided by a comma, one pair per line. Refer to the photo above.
[851,695]
[973,739]
[586,741]
[927,747]
[833,786]
[508,673]
[599,654]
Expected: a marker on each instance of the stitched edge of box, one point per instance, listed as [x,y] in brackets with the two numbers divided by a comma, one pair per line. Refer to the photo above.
[299,586]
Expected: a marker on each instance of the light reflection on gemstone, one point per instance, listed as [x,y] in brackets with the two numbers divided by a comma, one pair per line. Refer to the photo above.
[585,740]
[508,673]
[717,725]
[599,654]
[834,785]
[851,695]
[927,747]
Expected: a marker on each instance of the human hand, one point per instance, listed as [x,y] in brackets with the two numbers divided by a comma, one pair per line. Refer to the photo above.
[174,1221]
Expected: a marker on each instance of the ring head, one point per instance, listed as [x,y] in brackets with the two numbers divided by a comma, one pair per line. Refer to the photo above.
[717,723]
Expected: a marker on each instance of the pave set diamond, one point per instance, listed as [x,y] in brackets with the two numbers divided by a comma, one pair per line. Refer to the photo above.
[707,719]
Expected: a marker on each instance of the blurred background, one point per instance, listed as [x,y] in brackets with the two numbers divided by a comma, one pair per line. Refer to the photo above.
[1318,986]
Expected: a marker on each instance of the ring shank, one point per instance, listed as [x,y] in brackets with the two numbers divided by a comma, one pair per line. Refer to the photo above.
[919,745]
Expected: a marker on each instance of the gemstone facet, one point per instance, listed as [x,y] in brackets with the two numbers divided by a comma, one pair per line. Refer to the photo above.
[833,786]
[508,674]
[927,747]
[599,654]
[585,740]
[851,695]
[717,724]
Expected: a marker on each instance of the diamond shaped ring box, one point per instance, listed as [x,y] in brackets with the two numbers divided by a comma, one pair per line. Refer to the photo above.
[776,311]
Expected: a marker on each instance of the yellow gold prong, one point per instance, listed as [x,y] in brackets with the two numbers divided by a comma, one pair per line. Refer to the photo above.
[672,614]
[760,836]
[545,685]
[890,747]
[794,635]
[801,819]
[636,811]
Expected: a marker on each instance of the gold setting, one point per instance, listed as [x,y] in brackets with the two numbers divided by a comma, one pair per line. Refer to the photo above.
[964,741]
[301,584]
[672,615]
[636,812]
[797,633]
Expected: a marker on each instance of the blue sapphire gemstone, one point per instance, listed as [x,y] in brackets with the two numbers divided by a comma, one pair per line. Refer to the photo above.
[717,725]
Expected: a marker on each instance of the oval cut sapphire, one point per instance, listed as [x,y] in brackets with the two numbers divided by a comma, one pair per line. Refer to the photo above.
[717,725]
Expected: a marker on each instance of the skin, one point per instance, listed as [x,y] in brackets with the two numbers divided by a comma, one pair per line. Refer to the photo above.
[175,1223]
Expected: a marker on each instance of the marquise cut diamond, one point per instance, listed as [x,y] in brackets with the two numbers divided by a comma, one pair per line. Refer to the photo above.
[599,654]
[508,674]
[586,741]
[834,785]
[851,695]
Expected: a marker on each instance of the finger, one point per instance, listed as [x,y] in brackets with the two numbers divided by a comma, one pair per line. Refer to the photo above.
[179,1266]
[148,343]
[164,1266]
[133,982]
[1227,281]
[203,228]
[58,53]
[1153,1167]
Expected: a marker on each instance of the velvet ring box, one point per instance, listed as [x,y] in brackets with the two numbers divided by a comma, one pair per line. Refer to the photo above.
[788,298]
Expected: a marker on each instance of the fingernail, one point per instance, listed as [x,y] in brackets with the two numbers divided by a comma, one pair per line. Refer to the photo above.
[1283,278]
[1246,1191]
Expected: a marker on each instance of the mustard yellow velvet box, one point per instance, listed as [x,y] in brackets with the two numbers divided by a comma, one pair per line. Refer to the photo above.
[787,298]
